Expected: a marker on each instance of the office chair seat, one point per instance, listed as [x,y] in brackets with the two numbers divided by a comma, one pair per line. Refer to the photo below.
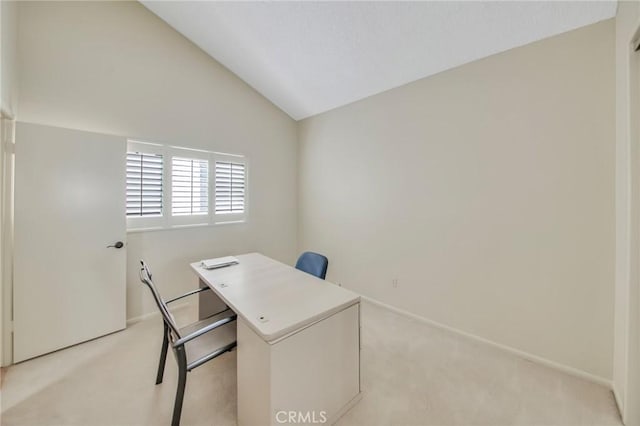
[209,342]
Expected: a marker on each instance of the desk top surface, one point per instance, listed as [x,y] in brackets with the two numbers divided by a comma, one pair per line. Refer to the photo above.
[273,298]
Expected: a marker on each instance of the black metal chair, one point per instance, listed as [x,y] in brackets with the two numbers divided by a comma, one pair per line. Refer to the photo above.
[192,345]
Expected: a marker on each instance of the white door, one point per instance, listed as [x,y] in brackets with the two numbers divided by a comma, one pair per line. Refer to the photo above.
[69,286]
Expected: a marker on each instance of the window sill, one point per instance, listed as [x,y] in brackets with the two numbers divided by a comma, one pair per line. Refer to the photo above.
[177,227]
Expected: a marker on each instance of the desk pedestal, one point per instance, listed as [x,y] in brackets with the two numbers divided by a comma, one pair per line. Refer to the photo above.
[309,377]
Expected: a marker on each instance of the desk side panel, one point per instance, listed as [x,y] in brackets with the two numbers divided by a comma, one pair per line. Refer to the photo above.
[315,373]
[209,303]
[254,377]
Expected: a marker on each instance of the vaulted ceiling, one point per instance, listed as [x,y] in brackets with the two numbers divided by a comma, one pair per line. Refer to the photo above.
[309,57]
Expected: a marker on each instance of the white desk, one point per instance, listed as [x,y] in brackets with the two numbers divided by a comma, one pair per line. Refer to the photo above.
[298,341]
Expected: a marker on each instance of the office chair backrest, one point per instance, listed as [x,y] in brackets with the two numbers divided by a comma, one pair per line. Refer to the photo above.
[145,277]
[313,263]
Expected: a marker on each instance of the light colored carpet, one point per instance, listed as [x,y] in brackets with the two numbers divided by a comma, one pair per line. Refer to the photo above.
[416,374]
[412,374]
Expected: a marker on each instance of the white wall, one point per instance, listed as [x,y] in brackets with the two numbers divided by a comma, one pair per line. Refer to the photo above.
[626,371]
[8,71]
[114,67]
[487,191]
[9,107]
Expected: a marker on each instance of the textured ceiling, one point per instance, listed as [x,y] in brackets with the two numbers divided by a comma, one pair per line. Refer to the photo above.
[310,57]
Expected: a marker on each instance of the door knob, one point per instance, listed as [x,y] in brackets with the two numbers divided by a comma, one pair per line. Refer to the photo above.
[117,245]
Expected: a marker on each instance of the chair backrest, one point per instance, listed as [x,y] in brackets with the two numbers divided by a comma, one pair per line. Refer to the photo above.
[313,263]
[145,277]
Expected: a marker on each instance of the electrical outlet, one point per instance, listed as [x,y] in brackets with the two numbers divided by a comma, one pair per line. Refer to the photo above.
[394,283]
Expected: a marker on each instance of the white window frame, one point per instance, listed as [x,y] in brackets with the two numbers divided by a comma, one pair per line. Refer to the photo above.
[167,220]
[150,222]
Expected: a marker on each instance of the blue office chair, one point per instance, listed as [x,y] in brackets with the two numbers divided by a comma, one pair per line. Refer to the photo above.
[313,263]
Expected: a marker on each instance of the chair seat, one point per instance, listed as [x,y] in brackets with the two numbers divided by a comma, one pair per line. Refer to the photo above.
[211,341]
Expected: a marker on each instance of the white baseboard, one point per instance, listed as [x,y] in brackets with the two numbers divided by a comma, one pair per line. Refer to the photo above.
[619,401]
[522,354]
[344,409]
[133,320]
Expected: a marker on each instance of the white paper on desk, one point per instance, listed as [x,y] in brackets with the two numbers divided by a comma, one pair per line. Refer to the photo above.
[219,262]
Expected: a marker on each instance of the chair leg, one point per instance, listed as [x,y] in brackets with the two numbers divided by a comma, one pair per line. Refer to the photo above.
[182,381]
[163,356]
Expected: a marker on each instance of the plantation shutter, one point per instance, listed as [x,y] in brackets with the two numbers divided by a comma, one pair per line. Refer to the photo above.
[189,186]
[230,187]
[144,184]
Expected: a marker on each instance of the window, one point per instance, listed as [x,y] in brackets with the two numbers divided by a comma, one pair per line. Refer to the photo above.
[230,180]
[169,186]
[189,186]
[146,193]
[144,184]
[230,189]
